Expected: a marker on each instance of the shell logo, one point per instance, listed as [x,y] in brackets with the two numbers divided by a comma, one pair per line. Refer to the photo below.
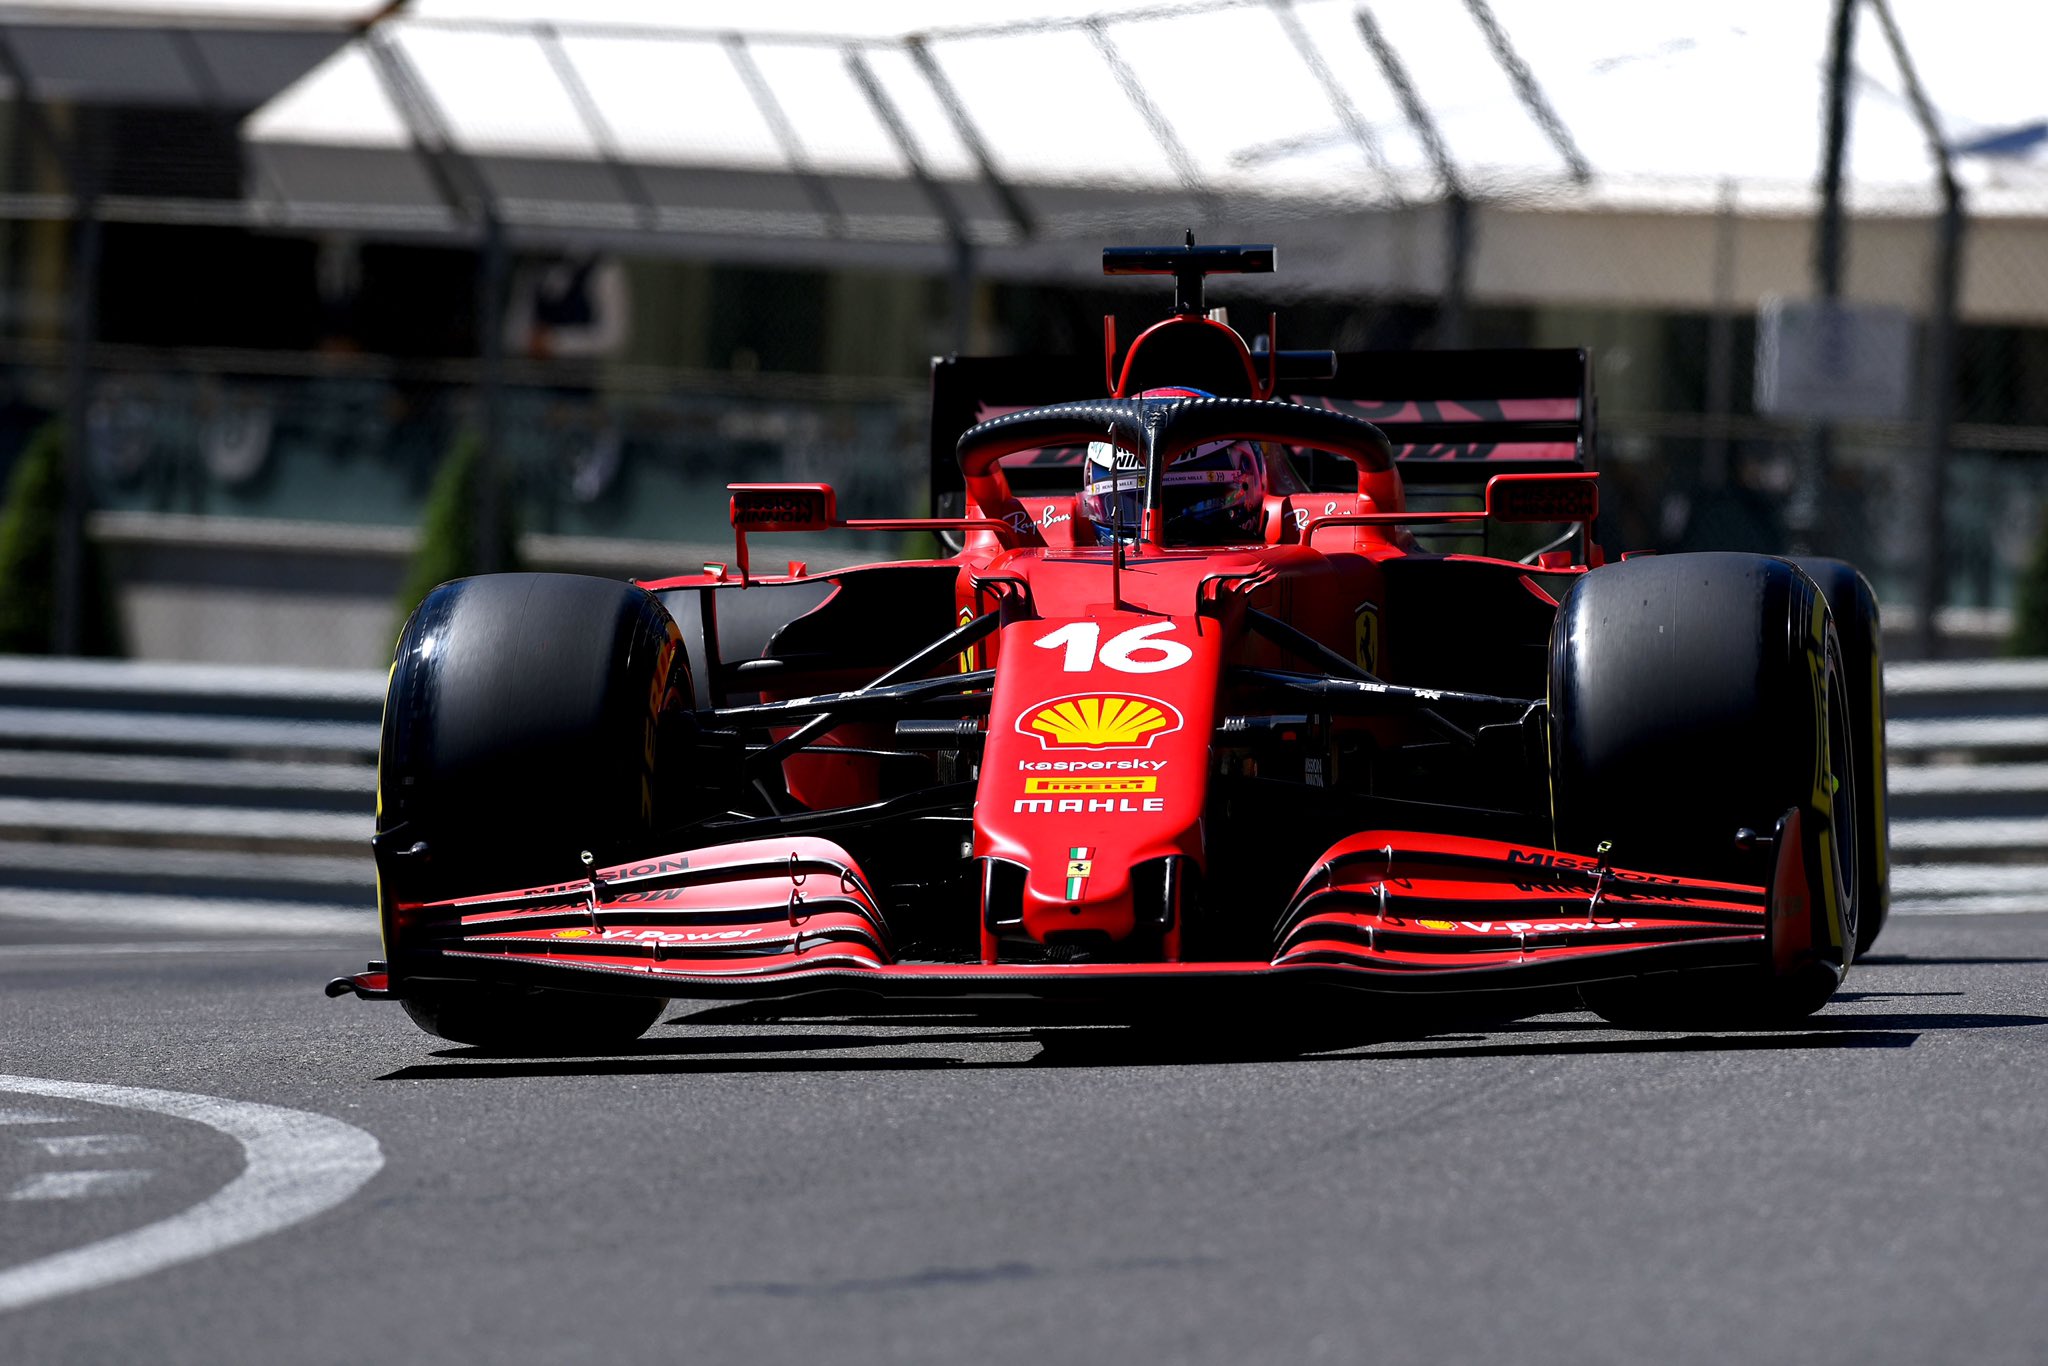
[574,934]
[1438,924]
[1100,721]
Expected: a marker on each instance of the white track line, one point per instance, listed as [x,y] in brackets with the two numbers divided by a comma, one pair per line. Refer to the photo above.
[295,1165]
[79,1185]
[89,1145]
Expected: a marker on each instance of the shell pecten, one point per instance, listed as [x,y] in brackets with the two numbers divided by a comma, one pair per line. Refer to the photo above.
[1099,721]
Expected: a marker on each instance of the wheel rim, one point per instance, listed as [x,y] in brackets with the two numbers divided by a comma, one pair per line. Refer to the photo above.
[1842,812]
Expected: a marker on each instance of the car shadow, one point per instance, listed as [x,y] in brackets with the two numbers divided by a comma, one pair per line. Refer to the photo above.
[1656,1043]
[947,1277]
[1927,1022]
[1915,960]
[1123,1045]
[1915,1022]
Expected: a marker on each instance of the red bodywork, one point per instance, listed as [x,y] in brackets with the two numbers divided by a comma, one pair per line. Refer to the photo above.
[1109,815]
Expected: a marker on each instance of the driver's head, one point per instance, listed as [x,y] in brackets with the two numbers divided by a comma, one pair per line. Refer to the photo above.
[1215,493]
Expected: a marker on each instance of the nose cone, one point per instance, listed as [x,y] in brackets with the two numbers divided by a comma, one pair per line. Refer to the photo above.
[1097,760]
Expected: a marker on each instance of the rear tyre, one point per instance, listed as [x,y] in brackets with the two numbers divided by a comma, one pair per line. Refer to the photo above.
[1692,696]
[523,725]
[1854,607]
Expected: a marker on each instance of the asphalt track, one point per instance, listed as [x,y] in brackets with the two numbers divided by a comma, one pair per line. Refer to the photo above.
[1870,1188]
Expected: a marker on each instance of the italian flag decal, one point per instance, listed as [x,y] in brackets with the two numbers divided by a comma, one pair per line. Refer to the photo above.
[1080,863]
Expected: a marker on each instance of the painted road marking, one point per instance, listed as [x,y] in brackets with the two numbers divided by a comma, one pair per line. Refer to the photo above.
[79,1185]
[295,1165]
[89,1145]
[30,1117]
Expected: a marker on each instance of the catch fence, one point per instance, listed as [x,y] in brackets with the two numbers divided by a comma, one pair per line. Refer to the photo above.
[639,261]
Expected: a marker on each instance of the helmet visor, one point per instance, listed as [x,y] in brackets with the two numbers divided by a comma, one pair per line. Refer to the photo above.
[1213,494]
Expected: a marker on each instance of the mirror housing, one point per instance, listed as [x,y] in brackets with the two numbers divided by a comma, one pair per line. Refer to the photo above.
[783,507]
[1573,497]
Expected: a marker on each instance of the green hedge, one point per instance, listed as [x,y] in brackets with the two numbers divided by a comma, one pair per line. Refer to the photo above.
[448,539]
[29,525]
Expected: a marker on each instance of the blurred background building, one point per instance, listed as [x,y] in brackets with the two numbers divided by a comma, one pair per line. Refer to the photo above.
[276,259]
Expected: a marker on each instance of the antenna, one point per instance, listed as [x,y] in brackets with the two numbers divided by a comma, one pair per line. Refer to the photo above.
[1187,264]
[1116,527]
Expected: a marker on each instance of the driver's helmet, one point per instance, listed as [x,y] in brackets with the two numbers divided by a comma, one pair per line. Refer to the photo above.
[1215,493]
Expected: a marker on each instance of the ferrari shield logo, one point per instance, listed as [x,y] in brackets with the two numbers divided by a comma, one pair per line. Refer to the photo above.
[1080,866]
[1365,633]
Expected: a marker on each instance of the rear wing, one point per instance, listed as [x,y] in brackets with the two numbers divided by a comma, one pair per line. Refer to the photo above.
[1461,417]
[1453,417]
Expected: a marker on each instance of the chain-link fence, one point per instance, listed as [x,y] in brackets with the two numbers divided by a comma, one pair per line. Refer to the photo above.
[1697,458]
[633,456]
[272,275]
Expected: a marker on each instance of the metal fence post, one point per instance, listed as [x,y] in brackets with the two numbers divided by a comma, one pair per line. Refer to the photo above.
[71,585]
[1802,511]
[1014,207]
[1207,203]
[1454,327]
[962,275]
[490,476]
[464,188]
[1714,458]
[1941,411]
[1940,375]
[1451,319]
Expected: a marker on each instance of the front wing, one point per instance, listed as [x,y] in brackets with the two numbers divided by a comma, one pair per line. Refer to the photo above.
[1387,911]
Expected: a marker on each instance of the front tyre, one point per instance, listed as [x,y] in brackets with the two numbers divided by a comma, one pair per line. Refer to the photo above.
[523,725]
[529,1020]
[1692,696]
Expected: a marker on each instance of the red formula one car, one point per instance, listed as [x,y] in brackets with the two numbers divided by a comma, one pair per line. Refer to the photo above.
[1270,671]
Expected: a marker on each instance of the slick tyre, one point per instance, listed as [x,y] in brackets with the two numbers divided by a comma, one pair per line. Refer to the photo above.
[1853,605]
[524,724]
[1692,696]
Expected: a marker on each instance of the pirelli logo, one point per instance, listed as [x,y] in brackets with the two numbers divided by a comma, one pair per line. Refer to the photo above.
[1086,787]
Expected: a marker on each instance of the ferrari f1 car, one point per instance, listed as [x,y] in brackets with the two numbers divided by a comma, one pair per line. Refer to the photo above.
[1264,671]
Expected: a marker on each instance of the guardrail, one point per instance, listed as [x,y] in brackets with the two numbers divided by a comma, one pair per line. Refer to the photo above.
[1969,785]
[205,780]
[189,779]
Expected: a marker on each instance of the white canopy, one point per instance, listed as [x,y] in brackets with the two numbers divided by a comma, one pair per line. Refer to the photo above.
[1102,117]
[1663,99]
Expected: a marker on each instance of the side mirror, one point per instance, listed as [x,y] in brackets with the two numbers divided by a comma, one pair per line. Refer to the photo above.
[783,507]
[1573,497]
